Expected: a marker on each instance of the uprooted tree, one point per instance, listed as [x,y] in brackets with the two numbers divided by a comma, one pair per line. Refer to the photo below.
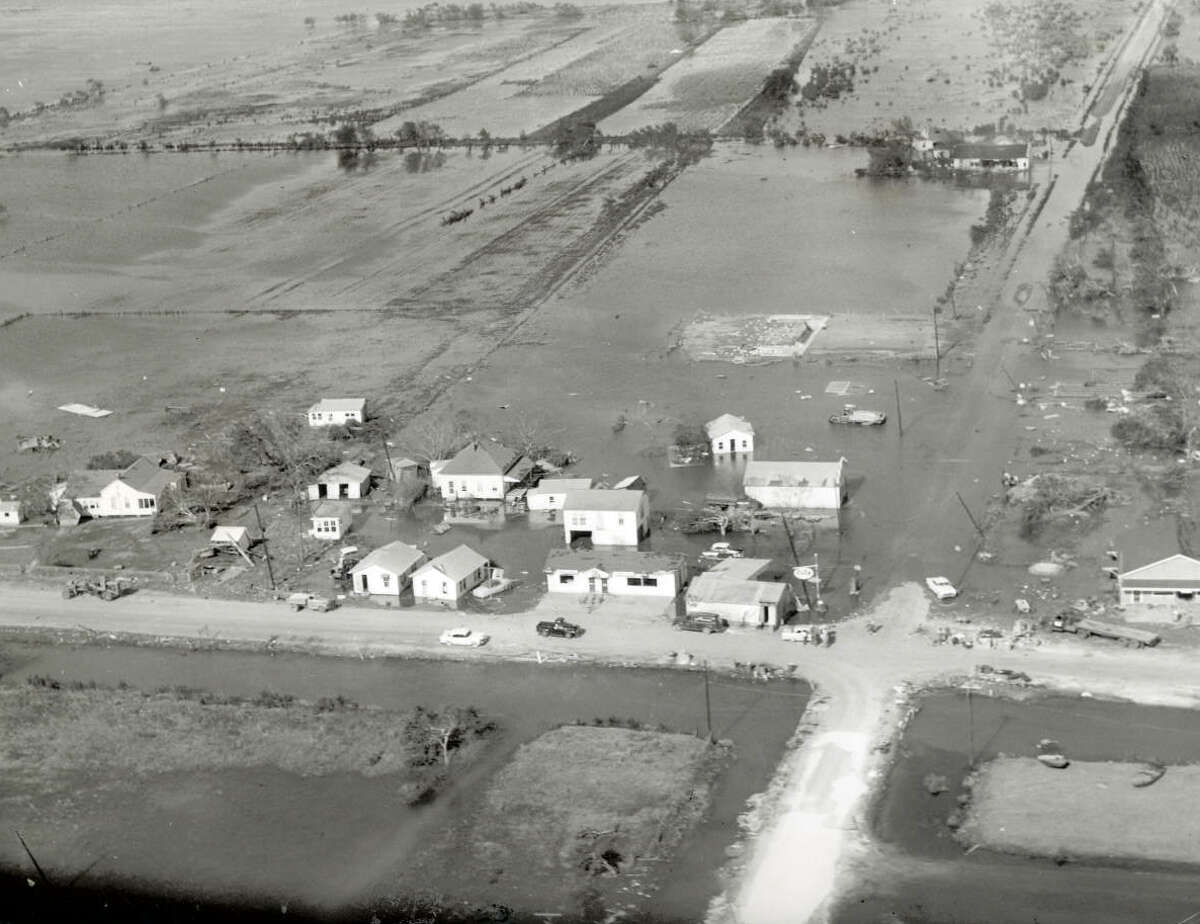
[435,733]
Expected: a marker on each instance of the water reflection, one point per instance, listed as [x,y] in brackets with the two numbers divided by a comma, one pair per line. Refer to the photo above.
[423,161]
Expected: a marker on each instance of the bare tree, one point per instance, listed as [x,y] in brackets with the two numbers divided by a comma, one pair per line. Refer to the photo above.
[439,437]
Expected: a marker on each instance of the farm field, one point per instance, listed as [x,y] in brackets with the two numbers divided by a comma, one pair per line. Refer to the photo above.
[929,60]
[705,89]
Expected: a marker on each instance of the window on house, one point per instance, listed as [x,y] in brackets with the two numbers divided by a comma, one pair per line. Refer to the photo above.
[620,519]
[633,581]
[649,582]
[744,444]
[720,444]
[566,579]
[450,487]
[387,580]
[445,587]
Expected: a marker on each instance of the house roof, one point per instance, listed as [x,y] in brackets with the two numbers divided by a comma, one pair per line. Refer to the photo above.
[612,560]
[89,482]
[480,459]
[147,477]
[327,405]
[348,471]
[396,557]
[332,508]
[740,569]
[725,423]
[779,474]
[1178,570]
[604,500]
[458,563]
[632,482]
[10,506]
[715,588]
[235,534]
[561,485]
[989,151]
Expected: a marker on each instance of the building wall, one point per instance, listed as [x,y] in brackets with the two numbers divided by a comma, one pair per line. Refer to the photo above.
[120,500]
[618,583]
[733,441]
[11,517]
[797,496]
[1150,595]
[380,581]
[430,584]
[485,487]
[545,501]
[329,418]
[329,528]
[355,489]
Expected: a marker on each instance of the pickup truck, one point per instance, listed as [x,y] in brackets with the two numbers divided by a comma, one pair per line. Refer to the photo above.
[1086,628]
[559,628]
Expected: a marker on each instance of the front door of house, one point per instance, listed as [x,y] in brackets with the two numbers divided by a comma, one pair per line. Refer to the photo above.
[343,491]
[322,490]
[364,582]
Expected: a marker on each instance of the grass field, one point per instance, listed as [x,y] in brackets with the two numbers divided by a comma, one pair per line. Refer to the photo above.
[1087,810]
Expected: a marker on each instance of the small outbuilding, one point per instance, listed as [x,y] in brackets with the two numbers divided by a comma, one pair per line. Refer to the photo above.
[12,513]
[551,493]
[796,485]
[622,572]
[729,434]
[386,571]
[1003,157]
[237,536]
[345,481]
[330,411]
[741,602]
[330,520]
[451,575]
[1168,580]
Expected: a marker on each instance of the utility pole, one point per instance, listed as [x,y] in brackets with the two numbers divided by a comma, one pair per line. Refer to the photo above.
[388,455]
[970,730]
[266,552]
[978,528]
[937,348]
[707,703]
[899,416]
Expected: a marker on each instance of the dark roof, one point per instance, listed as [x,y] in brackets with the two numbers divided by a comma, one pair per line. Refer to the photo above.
[611,560]
[480,459]
[147,477]
[989,151]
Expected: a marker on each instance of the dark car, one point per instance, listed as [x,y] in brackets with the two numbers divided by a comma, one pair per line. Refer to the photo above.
[559,628]
[701,622]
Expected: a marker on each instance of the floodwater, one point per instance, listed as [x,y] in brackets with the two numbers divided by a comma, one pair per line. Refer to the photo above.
[264,835]
[929,879]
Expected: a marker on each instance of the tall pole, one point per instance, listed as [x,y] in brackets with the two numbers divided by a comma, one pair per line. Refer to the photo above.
[267,552]
[707,703]
[970,730]
[978,528]
[391,473]
[899,416]
[937,348]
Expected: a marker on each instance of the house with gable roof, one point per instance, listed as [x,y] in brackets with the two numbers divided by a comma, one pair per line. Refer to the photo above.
[1169,580]
[729,434]
[136,491]
[481,471]
[330,411]
[796,485]
[386,571]
[450,576]
[606,517]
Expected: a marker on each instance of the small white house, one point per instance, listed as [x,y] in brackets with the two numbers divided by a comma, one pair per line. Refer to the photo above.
[729,434]
[386,571]
[551,493]
[11,513]
[742,602]
[136,491]
[796,485]
[622,572]
[330,521]
[1169,580]
[451,575]
[481,471]
[343,482]
[606,517]
[237,536]
[1003,157]
[330,411]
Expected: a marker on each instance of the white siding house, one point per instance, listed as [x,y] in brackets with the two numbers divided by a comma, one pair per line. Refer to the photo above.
[729,434]
[481,472]
[606,517]
[342,482]
[386,571]
[136,491]
[11,513]
[741,601]
[330,521]
[330,411]
[622,572]
[1003,157]
[551,493]
[1169,580]
[451,575]
[797,485]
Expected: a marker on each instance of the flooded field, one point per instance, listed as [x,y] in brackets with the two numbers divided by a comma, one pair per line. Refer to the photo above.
[922,875]
[246,839]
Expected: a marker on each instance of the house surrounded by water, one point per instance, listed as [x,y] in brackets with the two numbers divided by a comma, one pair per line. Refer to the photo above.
[796,485]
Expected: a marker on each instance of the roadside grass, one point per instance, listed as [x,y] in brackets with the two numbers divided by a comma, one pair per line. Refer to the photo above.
[586,800]
[55,732]
[1090,809]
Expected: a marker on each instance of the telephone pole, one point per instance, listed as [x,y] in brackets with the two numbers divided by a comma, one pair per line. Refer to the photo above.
[266,552]
[707,703]
[937,348]
[899,416]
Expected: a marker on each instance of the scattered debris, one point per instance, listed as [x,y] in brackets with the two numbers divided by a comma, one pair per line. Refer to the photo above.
[84,410]
[45,443]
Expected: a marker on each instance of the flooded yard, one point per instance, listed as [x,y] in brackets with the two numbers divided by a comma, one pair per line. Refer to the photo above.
[922,873]
[329,842]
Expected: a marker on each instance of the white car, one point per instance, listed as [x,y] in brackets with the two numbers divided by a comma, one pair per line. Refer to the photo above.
[798,633]
[941,588]
[461,635]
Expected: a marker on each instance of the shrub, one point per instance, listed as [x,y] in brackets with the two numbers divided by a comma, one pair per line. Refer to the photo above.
[115,459]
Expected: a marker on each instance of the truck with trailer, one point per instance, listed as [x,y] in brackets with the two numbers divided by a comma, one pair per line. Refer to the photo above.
[1086,628]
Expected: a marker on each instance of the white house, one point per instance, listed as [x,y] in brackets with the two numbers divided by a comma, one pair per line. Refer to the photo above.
[330,520]
[344,481]
[237,536]
[11,513]
[329,411]
[1009,157]
[622,572]
[386,571]
[728,434]
[1169,580]
[551,493]
[730,591]
[136,491]
[806,485]
[451,575]
[606,517]
[481,471]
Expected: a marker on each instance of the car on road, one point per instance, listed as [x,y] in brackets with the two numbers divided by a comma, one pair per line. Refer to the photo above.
[701,622]
[461,635]
[799,633]
[941,588]
[559,628]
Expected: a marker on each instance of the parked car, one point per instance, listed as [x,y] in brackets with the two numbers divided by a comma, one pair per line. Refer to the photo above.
[701,622]
[559,628]
[800,633]
[941,588]
[719,551]
[853,415]
[322,604]
[461,635]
